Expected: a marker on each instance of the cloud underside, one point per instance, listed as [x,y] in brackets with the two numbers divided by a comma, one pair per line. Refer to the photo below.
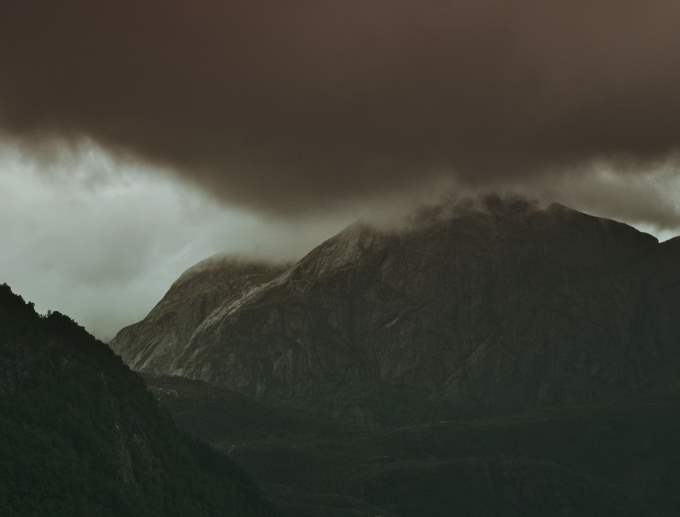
[296,107]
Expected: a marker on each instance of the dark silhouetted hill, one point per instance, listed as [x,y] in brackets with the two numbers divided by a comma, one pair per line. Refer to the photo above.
[81,436]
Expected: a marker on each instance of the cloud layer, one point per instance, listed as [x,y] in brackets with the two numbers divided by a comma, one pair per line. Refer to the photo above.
[315,112]
[293,107]
[102,242]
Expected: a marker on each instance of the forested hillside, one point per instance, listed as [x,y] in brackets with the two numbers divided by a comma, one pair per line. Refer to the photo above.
[81,436]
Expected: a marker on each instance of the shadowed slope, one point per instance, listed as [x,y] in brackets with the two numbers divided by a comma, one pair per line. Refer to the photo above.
[81,436]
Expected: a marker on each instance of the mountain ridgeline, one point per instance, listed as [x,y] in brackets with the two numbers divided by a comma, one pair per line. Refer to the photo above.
[154,345]
[80,435]
[497,306]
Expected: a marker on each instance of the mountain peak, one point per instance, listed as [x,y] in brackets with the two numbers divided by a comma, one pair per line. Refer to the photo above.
[492,302]
[153,343]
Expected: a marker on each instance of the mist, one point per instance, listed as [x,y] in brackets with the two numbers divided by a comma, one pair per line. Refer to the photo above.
[102,241]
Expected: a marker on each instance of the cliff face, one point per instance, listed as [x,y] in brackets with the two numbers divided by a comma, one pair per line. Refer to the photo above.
[154,343]
[659,331]
[499,306]
[81,436]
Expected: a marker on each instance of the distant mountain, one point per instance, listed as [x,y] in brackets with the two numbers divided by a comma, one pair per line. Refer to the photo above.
[81,436]
[153,344]
[488,307]
[492,358]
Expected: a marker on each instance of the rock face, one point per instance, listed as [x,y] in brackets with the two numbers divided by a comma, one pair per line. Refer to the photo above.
[153,344]
[661,308]
[502,305]
[81,435]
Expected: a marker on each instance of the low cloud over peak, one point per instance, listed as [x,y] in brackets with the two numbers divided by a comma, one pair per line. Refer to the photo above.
[294,107]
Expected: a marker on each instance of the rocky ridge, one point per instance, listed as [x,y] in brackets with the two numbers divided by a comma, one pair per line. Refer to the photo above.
[153,344]
[501,305]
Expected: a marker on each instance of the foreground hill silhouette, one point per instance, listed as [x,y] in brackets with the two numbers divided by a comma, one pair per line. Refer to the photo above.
[81,436]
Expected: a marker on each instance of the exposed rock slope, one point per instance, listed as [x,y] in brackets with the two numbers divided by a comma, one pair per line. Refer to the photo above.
[499,306]
[153,344]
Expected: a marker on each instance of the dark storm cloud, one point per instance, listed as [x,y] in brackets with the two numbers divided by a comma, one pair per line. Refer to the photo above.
[650,199]
[299,105]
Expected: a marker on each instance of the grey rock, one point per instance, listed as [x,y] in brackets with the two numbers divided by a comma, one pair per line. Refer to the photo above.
[503,305]
[153,344]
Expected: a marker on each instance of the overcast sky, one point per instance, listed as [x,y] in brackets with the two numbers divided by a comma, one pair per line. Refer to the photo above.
[102,241]
[137,137]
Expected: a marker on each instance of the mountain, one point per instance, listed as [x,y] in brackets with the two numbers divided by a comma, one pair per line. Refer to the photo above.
[494,306]
[493,358]
[153,344]
[80,435]
[660,330]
